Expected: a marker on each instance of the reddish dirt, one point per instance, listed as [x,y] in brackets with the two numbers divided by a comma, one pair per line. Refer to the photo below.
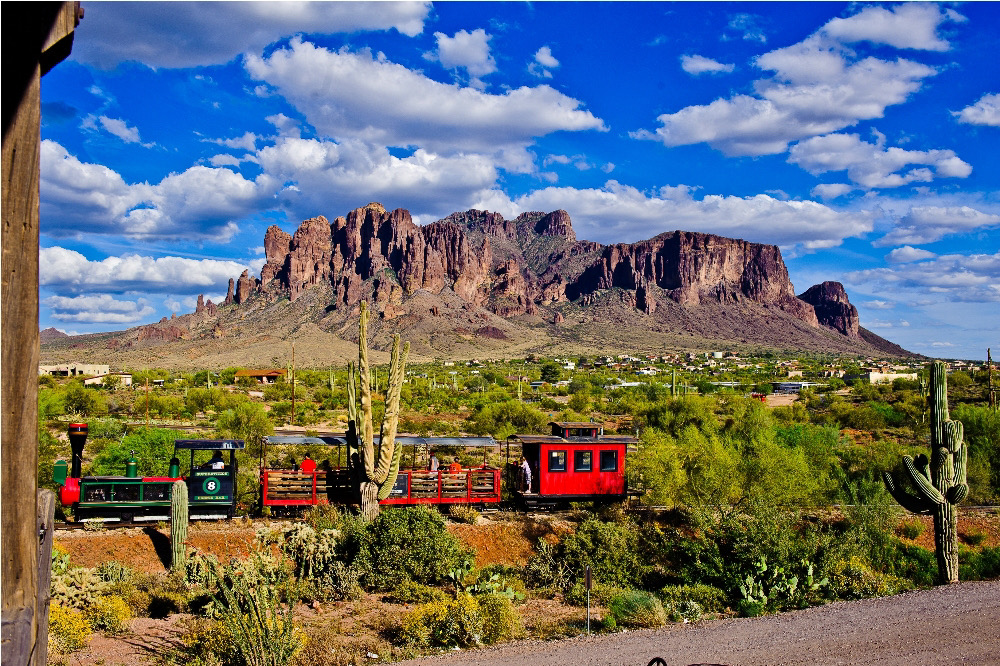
[506,542]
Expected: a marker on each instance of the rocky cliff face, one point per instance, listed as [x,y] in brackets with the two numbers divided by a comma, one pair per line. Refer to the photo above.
[833,309]
[515,267]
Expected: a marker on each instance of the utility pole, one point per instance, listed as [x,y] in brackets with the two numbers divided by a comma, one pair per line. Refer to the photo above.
[147,401]
[293,383]
[993,391]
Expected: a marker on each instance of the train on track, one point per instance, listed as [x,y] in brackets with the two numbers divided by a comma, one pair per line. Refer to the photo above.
[575,463]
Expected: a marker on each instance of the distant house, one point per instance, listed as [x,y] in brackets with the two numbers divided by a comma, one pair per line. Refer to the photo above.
[124,379]
[267,376]
[75,370]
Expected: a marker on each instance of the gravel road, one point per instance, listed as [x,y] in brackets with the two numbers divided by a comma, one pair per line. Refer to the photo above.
[955,624]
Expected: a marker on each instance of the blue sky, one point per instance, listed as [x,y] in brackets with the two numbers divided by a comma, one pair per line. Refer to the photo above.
[860,138]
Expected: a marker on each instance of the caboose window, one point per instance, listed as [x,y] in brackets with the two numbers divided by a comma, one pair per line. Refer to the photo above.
[583,461]
[557,461]
[609,461]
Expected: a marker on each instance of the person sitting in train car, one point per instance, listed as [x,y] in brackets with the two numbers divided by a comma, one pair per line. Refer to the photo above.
[308,465]
[216,461]
[455,467]
[433,463]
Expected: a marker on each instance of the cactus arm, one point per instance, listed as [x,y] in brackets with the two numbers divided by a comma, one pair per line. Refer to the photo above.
[909,502]
[386,488]
[367,436]
[925,488]
[960,490]
[391,421]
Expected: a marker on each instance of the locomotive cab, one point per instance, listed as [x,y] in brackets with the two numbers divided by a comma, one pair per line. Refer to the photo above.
[212,481]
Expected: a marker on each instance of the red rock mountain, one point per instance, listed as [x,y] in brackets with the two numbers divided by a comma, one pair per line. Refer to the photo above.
[491,281]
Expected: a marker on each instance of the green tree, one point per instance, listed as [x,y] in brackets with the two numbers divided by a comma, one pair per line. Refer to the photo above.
[551,372]
[247,421]
[657,467]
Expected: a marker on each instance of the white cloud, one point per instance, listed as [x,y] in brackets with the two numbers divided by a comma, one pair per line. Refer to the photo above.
[986,111]
[746,24]
[543,63]
[69,272]
[926,224]
[905,26]
[247,142]
[871,165]
[696,64]
[828,191]
[116,127]
[189,34]
[466,50]
[907,254]
[970,278]
[98,309]
[201,202]
[619,213]
[223,160]
[819,86]
[330,177]
[364,96]
[879,305]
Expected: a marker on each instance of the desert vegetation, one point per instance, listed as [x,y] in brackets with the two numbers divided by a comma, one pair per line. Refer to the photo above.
[747,508]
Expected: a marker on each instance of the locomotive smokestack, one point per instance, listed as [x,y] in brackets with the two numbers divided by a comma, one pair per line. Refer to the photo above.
[77,438]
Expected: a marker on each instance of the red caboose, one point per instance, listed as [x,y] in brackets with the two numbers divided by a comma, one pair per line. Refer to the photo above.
[576,463]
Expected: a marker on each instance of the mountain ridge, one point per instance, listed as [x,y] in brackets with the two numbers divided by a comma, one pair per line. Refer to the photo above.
[502,287]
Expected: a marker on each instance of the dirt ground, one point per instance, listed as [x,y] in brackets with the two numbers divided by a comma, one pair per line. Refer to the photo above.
[856,628]
[946,625]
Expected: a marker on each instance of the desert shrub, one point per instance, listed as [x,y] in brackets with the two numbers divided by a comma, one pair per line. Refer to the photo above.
[68,629]
[411,543]
[113,571]
[855,579]
[322,517]
[153,595]
[910,529]
[778,587]
[456,622]
[76,588]
[501,621]
[500,419]
[546,570]
[410,592]
[199,567]
[463,513]
[637,608]
[610,549]
[709,598]
[981,565]
[684,611]
[153,449]
[972,538]
[599,594]
[264,633]
[205,642]
[109,614]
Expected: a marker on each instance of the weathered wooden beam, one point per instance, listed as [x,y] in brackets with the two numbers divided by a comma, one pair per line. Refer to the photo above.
[35,37]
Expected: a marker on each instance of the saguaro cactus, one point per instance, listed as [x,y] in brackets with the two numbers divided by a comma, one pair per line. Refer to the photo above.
[378,466]
[178,526]
[942,486]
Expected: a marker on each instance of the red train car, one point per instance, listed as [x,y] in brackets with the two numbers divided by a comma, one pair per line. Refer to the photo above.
[576,463]
[329,481]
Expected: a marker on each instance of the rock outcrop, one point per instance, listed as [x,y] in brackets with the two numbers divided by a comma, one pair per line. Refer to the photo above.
[515,267]
[833,309]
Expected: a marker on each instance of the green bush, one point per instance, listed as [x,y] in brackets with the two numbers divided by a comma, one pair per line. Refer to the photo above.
[110,614]
[855,579]
[911,529]
[711,599]
[610,549]
[68,629]
[463,513]
[411,543]
[456,622]
[637,608]
[501,621]
[410,592]
[981,565]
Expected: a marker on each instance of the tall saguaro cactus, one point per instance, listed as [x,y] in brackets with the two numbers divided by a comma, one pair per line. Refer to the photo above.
[377,467]
[178,526]
[940,483]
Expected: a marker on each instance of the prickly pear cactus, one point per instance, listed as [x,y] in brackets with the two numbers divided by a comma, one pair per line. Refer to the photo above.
[178,526]
[938,484]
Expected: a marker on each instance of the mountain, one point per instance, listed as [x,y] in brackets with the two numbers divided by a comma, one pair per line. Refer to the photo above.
[477,285]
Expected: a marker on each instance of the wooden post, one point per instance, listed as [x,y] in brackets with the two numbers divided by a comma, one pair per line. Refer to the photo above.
[36,36]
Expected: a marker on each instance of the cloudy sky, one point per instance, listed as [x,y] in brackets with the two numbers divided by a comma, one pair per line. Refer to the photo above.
[862,139]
